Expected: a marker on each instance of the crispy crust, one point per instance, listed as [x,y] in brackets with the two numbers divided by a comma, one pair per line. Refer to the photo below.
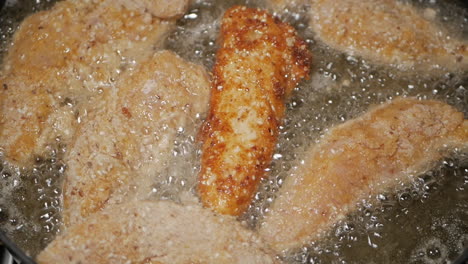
[260,61]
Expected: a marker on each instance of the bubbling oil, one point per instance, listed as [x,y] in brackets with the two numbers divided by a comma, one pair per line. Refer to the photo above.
[422,222]
[30,201]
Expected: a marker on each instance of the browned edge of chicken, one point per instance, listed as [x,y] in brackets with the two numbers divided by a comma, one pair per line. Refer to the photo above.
[260,61]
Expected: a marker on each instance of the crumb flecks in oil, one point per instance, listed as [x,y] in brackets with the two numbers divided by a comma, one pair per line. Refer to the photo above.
[393,226]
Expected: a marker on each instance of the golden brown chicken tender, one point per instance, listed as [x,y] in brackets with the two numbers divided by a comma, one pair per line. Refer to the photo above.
[124,142]
[260,61]
[63,58]
[391,143]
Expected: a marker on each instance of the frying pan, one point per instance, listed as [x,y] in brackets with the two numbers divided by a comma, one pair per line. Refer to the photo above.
[10,253]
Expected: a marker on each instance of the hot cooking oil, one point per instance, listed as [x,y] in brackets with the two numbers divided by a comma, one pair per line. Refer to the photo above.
[422,222]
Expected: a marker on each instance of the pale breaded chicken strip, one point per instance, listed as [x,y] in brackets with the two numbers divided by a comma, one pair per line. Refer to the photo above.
[260,61]
[60,59]
[384,31]
[390,144]
[124,142]
[157,232]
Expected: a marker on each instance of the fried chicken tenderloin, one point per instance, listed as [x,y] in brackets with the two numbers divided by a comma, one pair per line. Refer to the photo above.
[388,32]
[61,60]
[390,144]
[259,63]
[122,145]
[157,232]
